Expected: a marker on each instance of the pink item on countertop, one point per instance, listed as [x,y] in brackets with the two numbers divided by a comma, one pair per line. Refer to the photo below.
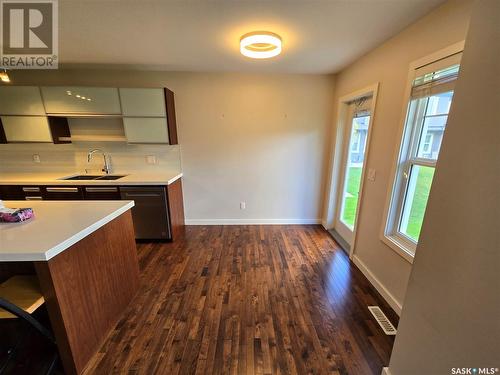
[8,215]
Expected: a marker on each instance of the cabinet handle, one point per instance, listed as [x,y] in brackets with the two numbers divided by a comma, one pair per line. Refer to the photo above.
[101,189]
[62,190]
[142,194]
[31,189]
[33,198]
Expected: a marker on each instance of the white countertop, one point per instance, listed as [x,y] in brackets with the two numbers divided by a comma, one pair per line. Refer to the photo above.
[56,226]
[133,178]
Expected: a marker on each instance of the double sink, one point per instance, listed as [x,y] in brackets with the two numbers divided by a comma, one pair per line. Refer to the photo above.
[88,177]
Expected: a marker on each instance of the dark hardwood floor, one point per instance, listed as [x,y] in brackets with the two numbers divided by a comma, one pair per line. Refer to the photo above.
[248,300]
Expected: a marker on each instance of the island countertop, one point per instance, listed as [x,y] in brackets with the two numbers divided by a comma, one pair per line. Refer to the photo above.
[57,225]
[51,178]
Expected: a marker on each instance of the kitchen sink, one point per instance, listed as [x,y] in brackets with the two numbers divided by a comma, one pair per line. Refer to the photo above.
[84,177]
[81,177]
[110,177]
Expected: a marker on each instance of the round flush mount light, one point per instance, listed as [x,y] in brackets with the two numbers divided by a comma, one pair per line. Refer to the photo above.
[260,45]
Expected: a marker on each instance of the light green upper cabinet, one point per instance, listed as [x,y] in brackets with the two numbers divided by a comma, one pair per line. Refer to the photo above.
[146,129]
[138,102]
[81,100]
[26,129]
[21,100]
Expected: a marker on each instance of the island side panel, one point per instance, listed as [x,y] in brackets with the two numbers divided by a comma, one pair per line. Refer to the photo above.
[176,208]
[87,287]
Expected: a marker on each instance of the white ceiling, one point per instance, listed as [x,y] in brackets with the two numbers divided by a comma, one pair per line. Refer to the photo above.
[318,36]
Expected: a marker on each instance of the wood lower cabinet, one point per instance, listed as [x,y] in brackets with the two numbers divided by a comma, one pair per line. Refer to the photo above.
[11,193]
[20,193]
[156,206]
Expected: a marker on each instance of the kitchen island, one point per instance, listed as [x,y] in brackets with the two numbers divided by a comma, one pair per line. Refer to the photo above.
[85,259]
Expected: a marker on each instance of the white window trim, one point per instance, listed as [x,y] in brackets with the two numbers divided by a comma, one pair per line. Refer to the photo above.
[402,246]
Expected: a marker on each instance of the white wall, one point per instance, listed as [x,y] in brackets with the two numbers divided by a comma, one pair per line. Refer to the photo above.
[262,139]
[451,317]
[389,65]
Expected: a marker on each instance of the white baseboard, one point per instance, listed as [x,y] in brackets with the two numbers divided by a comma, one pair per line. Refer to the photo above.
[389,298]
[251,221]
[386,371]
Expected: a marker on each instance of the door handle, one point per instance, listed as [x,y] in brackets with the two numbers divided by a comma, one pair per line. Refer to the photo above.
[31,189]
[33,198]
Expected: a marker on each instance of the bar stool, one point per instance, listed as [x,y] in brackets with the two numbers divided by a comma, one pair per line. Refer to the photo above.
[20,296]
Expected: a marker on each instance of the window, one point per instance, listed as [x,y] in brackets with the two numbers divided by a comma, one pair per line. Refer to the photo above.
[354,167]
[431,98]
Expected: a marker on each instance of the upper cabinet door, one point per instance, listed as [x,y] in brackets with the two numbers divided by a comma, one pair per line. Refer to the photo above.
[143,102]
[146,129]
[26,129]
[81,100]
[21,100]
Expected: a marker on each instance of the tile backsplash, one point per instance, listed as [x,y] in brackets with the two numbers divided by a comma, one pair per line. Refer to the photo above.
[72,158]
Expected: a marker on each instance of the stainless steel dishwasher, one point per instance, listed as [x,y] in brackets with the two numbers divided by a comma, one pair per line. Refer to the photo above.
[150,213]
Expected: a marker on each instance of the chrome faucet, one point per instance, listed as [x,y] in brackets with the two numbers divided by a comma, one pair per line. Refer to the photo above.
[107,167]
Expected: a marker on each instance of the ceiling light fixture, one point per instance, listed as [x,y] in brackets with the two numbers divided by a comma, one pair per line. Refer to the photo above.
[4,77]
[260,45]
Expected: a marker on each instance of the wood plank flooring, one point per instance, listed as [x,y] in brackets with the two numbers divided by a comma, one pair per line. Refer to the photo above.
[248,300]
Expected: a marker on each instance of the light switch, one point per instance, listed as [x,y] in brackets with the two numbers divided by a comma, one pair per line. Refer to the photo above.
[151,159]
[372,174]
[36,158]
[243,205]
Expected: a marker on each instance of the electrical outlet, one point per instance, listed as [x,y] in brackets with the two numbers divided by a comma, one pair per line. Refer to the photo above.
[36,158]
[243,205]
[372,174]
[151,159]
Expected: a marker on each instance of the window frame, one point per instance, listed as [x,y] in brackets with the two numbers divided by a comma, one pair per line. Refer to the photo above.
[401,244]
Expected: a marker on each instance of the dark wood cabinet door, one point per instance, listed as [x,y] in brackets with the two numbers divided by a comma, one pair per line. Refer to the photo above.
[11,193]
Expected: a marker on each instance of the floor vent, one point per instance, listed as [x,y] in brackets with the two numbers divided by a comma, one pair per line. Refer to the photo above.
[382,320]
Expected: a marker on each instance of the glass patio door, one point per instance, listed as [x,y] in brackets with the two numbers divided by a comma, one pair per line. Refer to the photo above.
[355,140]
